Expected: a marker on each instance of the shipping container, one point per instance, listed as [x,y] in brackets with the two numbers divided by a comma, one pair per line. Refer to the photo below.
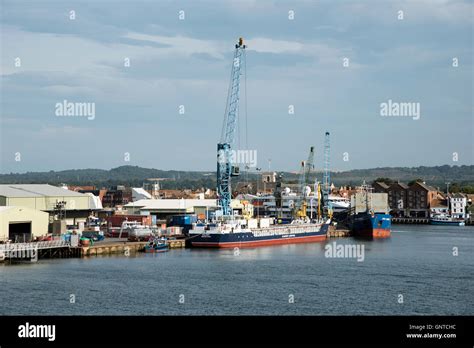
[181,220]
[172,231]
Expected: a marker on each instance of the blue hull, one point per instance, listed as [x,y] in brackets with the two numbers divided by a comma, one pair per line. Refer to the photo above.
[448,223]
[156,249]
[371,226]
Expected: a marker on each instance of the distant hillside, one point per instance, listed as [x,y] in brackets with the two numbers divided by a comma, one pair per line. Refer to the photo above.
[436,176]
[135,176]
[124,175]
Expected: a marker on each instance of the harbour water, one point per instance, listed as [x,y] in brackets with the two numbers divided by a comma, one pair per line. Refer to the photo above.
[417,262]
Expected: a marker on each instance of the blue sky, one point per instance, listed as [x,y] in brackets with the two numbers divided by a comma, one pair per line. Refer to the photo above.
[187,62]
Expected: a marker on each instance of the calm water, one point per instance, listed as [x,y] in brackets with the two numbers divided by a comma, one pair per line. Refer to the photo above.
[417,262]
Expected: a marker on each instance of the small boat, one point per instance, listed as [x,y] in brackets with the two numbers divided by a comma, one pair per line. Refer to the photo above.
[156,246]
[92,229]
[443,219]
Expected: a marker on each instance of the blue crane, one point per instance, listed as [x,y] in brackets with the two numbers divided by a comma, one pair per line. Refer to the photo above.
[225,167]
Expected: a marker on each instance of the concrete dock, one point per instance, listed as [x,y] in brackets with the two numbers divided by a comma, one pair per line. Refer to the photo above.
[108,248]
[334,232]
[62,249]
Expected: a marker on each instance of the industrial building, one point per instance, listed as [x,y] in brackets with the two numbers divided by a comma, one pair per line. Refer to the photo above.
[166,207]
[22,224]
[162,208]
[73,206]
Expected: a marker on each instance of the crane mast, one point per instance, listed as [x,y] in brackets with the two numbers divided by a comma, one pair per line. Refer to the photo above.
[326,185]
[225,168]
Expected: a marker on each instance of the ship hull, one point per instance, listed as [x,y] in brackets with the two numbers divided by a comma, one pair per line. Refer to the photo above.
[371,226]
[449,223]
[249,240]
[156,250]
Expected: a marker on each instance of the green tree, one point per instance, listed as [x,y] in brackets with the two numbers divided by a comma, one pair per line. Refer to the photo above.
[415,181]
[388,181]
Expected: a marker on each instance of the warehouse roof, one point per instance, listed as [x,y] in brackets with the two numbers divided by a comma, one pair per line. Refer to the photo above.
[36,190]
[151,204]
[4,209]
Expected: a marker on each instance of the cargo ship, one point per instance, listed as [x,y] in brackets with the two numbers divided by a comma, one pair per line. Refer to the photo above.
[243,233]
[369,217]
[368,225]
[229,230]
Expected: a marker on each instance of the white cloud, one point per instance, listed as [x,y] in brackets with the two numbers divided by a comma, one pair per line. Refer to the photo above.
[321,52]
[417,12]
[180,45]
[72,54]
[265,45]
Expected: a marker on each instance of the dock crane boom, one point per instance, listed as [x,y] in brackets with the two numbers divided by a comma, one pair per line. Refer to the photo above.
[304,176]
[225,168]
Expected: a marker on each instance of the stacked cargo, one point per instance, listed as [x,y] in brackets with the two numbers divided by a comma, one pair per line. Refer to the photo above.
[185,222]
[172,231]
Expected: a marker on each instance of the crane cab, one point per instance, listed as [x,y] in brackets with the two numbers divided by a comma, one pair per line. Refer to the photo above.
[235,171]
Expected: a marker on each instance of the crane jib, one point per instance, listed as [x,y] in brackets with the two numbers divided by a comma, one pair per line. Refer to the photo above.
[225,170]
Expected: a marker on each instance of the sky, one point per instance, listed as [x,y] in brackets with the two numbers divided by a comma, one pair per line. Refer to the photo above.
[333,63]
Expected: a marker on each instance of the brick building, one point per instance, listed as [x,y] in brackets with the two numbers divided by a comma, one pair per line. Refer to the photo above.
[408,201]
[117,195]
